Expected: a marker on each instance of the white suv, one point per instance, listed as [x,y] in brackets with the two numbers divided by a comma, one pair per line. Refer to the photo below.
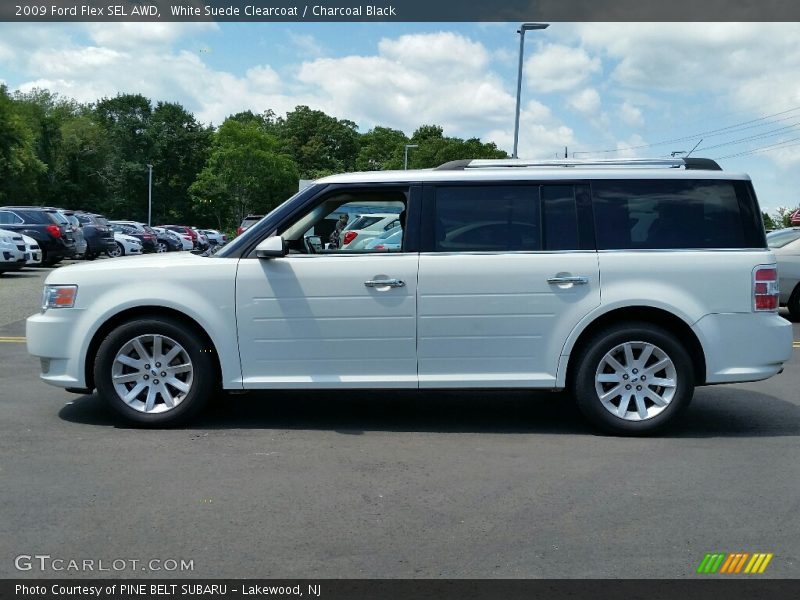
[627,283]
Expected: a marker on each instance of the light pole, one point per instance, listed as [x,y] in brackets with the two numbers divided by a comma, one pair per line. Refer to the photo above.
[521,31]
[149,195]
[405,155]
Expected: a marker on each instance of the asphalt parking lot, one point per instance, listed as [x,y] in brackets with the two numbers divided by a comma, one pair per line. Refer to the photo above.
[396,485]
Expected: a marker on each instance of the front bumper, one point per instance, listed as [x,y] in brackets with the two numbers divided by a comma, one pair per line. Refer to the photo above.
[51,337]
[743,347]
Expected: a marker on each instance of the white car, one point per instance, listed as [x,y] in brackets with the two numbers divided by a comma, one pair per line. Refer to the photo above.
[216,238]
[127,245]
[356,235]
[34,251]
[785,243]
[676,246]
[13,255]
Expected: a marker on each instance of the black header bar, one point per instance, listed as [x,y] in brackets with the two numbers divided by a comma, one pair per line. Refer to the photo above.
[398,10]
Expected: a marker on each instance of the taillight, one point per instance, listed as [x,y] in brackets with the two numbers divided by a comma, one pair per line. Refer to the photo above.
[148,236]
[54,231]
[239,230]
[765,289]
[349,236]
[379,247]
[224,238]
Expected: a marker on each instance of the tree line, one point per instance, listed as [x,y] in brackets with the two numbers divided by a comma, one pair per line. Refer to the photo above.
[55,151]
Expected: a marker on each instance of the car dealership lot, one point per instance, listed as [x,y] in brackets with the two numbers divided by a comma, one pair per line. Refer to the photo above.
[392,484]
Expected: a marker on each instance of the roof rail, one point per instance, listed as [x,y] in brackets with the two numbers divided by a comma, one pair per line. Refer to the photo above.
[688,163]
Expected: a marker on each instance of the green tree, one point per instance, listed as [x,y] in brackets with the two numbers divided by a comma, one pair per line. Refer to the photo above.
[435,149]
[320,144]
[20,168]
[178,149]
[381,150]
[246,172]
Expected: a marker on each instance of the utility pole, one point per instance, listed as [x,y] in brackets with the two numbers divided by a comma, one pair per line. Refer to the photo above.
[150,196]
[521,31]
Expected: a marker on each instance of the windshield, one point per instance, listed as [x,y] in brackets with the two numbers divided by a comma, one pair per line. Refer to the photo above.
[778,239]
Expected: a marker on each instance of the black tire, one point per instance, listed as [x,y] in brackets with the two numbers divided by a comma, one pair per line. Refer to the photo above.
[119,252]
[641,335]
[202,385]
[794,304]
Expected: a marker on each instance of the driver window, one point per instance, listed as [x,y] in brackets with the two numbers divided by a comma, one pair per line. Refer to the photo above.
[350,222]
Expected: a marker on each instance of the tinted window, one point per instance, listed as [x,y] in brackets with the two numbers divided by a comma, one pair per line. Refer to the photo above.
[35,216]
[8,218]
[486,218]
[58,218]
[560,218]
[101,221]
[666,214]
[365,222]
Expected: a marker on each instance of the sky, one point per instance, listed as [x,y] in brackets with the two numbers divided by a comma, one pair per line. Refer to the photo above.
[602,90]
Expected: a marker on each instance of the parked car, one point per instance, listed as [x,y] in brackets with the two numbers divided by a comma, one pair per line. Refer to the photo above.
[202,240]
[183,231]
[785,243]
[46,225]
[248,222]
[33,251]
[125,245]
[81,246]
[13,255]
[215,238]
[388,240]
[676,246]
[182,242]
[97,232]
[361,230]
[146,236]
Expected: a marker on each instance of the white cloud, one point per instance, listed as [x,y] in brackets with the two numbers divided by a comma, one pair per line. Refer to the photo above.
[307,44]
[630,115]
[559,68]
[586,101]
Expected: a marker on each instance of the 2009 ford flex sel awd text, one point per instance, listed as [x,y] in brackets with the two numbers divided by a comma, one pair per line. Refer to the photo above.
[626,282]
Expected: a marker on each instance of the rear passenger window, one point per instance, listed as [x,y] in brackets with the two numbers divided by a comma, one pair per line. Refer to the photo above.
[667,214]
[505,218]
[487,218]
[9,218]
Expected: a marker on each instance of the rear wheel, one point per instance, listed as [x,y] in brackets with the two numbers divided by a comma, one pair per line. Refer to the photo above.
[162,247]
[155,371]
[633,379]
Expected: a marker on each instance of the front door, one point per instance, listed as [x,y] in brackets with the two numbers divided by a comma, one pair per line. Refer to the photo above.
[322,317]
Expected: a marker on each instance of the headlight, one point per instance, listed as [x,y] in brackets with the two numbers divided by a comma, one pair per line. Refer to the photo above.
[59,296]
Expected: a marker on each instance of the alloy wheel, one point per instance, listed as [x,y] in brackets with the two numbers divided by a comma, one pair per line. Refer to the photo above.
[152,373]
[636,381]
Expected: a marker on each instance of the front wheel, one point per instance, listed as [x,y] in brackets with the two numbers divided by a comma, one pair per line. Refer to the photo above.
[155,371]
[162,247]
[633,379]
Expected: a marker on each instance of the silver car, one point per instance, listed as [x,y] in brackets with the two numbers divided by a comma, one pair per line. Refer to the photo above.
[785,243]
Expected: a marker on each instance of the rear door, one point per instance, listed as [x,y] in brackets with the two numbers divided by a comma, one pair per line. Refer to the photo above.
[506,273]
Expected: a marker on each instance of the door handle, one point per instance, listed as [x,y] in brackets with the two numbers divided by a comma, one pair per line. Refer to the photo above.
[576,280]
[384,283]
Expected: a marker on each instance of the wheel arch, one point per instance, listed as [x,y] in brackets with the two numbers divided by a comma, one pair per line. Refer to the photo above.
[648,314]
[139,312]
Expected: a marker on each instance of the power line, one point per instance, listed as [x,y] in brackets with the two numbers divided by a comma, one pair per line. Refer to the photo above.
[709,133]
[777,146]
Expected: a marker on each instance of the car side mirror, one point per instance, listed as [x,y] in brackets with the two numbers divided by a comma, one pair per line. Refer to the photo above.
[272,247]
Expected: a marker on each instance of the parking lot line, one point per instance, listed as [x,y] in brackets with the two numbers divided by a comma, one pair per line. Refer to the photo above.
[11,340]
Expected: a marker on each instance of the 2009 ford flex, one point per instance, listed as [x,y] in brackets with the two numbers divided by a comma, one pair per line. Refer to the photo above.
[628,283]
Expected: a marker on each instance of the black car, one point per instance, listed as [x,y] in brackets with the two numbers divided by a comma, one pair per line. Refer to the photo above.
[98,233]
[47,226]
